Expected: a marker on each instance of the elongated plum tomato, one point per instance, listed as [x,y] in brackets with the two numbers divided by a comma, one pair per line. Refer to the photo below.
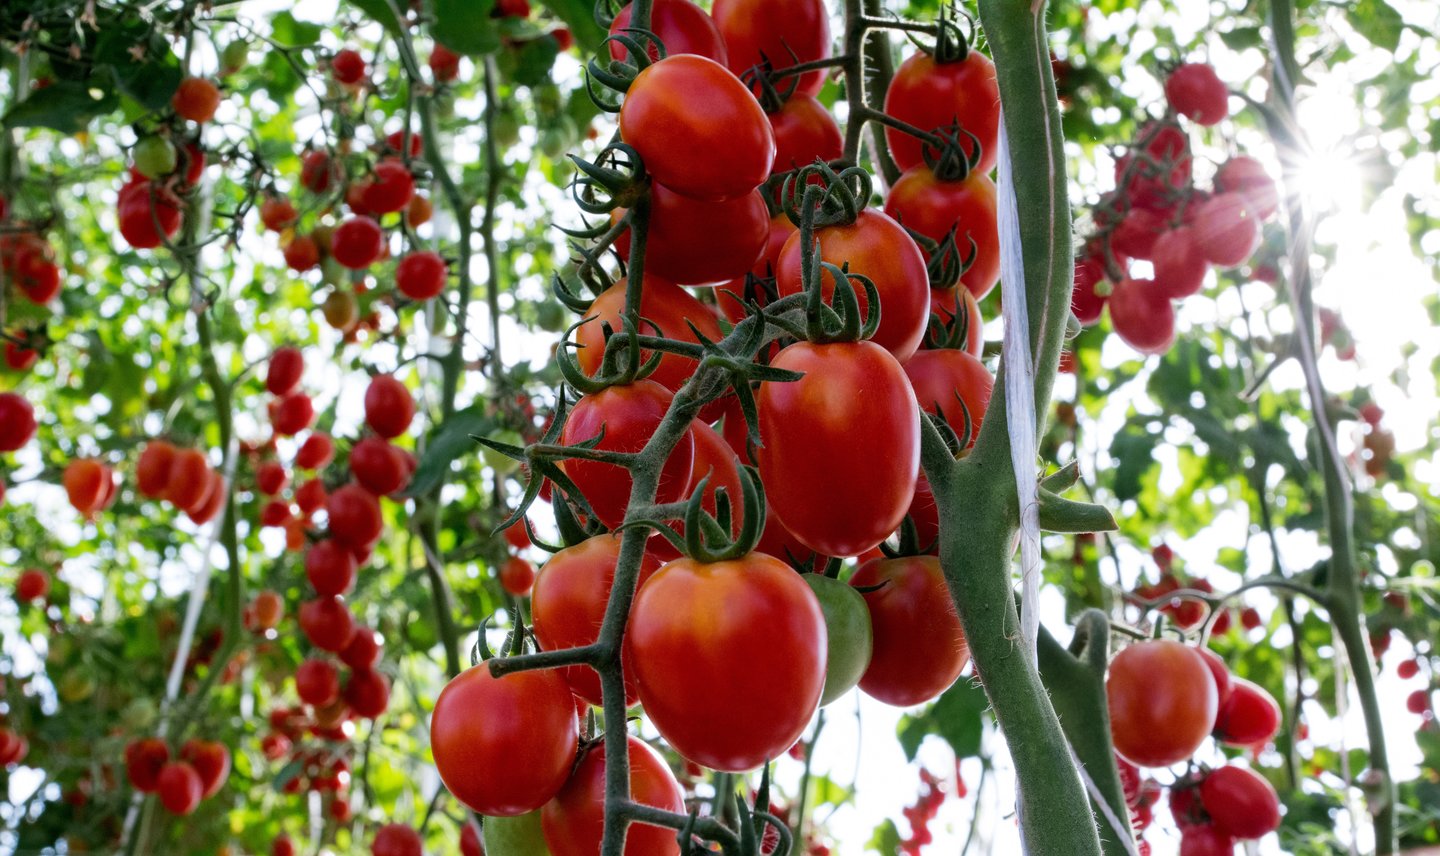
[629,415]
[1084,302]
[729,688]
[932,95]
[666,310]
[659,118]
[877,247]
[1226,231]
[683,28]
[716,462]
[504,746]
[1142,315]
[568,604]
[700,243]
[850,640]
[1248,715]
[804,130]
[1179,263]
[933,207]
[1240,802]
[944,379]
[1245,175]
[1162,702]
[853,395]
[754,32]
[920,648]
[1197,93]
[574,821]
[732,296]
[17,421]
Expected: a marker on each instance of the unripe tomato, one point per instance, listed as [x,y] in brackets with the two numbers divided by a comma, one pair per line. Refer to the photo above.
[1162,702]
[1179,262]
[1143,316]
[347,66]
[154,157]
[392,188]
[932,207]
[629,415]
[316,452]
[355,518]
[804,130]
[515,836]
[574,821]
[1240,802]
[378,466]
[357,242]
[144,760]
[1197,93]
[179,787]
[659,119]
[850,638]
[17,421]
[728,688]
[389,408]
[1247,716]
[291,413]
[327,623]
[1245,175]
[920,648]
[196,99]
[754,30]
[504,746]
[330,568]
[666,310]
[682,27]
[517,576]
[813,425]
[421,275]
[33,584]
[567,607]
[211,760]
[1226,231]
[931,95]
[234,56]
[943,379]
[397,839]
[367,693]
[877,247]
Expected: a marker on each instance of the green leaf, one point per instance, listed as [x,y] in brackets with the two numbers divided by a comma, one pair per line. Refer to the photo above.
[450,441]
[958,717]
[579,16]
[65,107]
[382,12]
[285,29]
[150,78]
[535,61]
[1135,451]
[465,26]
[1377,21]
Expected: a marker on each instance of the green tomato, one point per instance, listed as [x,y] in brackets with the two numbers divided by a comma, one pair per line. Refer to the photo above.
[235,57]
[850,638]
[154,157]
[498,462]
[550,316]
[139,714]
[76,686]
[548,98]
[507,128]
[557,138]
[515,836]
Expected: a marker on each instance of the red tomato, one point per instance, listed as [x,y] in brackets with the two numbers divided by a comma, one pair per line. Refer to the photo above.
[389,407]
[504,746]
[355,518]
[876,246]
[397,839]
[271,478]
[1162,702]
[152,469]
[854,396]
[290,414]
[1143,316]
[378,466]
[945,302]
[367,693]
[804,130]
[517,576]
[941,377]
[1149,185]
[1240,802]
[701,243]
[357,242]
[1084,302]
[33,584]
[683,28]
[211,759]
[932,95]
[392,188]
[568,604]
[317,683]
[277,213]
[143,206]
[327,623]
[317,451]
[1206,840]
[574,821]
[933,207]
[754,32]
[89,485]
[421,275]
[1197,92]
[17,421]
[196,99]
[669,310]
[1219,673]
[1247,716]
[660,120]
[179,787]
[445,66]
[629,415]
[302,253]
[920,648]
[1179,262]
[317,171]
[729,688]
[1136,233]
[330,568]
[143,761]
[363,650]
[1247,176]
[926,516]
[734,307]
[715,460]
[348,66]
[1226,231]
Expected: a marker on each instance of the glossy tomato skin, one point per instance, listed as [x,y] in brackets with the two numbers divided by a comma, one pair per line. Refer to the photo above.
[1240,802]
[574,821]
[504,746]
[731,295]
[729,688]
[920,648]
[1142,315]
[933,207]
[1245,175]
[629,415]
[853,398]
[1227,232]
[701,243]
[931,95]
[1084,302]
[876,246]
[940,376]
[1179,262]
[1198,93]
[396,839]
[1206,840]
[568,604]
[666,309]
[1248,715]
[716,462]
[1162,702]
[683,27]
[753,29]
[660,120]
[850,638]
[804,130]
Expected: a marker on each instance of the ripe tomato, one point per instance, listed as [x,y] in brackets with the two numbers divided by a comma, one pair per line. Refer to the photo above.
[920,648]
[1179,262]
[89,485]
[179,787]
[354,517]
[943,379]
[271,478]
[389,407]
[327,623]
[666,310]
[716,460]
[330,568]
[367,693]
[20,358]
[849,637]
[804,130]
[149,214]
[504,746]
[1227,232]
[660,121]
[317,171]
[1084,302]
[392,188]
[268,609]
[33,584]
[1247,716]
[302,253]
[283,374]
[363,650]
[699,243]
[728,688]
[1137,232]
[517,576]
[1150,185]
[515,836]
[444,64]
[211,759]
[1197,93]
[629,415]
[1245,175]
[753,33]
[932,95]
[1162,702]
[734,306]
[196,99]
[1143,316]
[813,426]
[933,207]
[379,466]
[143,761]
[347,66]
[17,421]
[317,451]
[682,27]
[397,839]
[876,246]
[421,275]
[1240,802]
[291,414]
[568,604]
[317,683]
[1219,673]
[926,516]
[1206,840]
[574,821]
[277,213]
[357,242]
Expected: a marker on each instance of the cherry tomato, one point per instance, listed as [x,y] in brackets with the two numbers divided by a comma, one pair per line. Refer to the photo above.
[330,568]
[850,639]
[143,761]
[392,187]
[196,99]
[568,604]
[152,470]
[397,839]
[876,246]
[574,821]
[179,787]
[926,517]
[367,693]
[1240,802]
[754,32]
[517,576]
[357,242]
[327,623]
[1162,702]
[515,836]
[804,130]
[729,688]
[1084,302]
[932,95]
[920,648]
[389,407]
[317,451]
[933,207]
[629,415]
[1137,232]
[1245,175]
[683,28]
[734,306]
[421,275]
[1179,263]
[1248,715]
[660,120]
[1142,315]
[354,517]
[1206,840]
[1150,185]
[701,243]
[1227,232]
[32,585]
[1219,673]
[715,460]
[17,421]
[666,310]
[854,397]
[1197,93]
[504,746]
[317,683]
[142,207]
[944,379]
[348,66]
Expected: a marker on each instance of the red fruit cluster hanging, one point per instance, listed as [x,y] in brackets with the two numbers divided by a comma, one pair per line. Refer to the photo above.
[182,781]
[182,477]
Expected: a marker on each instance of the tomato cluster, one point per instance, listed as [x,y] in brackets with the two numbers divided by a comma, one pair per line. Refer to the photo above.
[197,772]
[182,477]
